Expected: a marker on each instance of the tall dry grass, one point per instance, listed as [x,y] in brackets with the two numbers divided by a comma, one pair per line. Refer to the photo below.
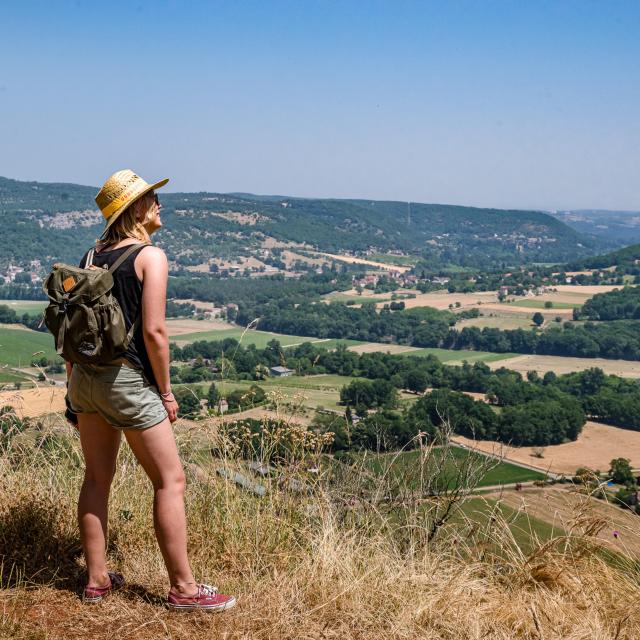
[330,556]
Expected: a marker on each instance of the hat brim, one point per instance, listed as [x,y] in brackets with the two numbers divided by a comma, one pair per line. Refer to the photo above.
[150,187]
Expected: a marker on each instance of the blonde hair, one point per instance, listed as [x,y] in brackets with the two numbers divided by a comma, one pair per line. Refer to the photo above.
[129,224]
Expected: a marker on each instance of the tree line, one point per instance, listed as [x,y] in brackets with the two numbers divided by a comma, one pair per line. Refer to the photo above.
[536,410]
[9,316]
[426,327]
[619,304]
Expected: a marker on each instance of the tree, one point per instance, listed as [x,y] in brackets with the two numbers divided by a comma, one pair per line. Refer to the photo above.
[621,472]
[417,381]
[548,304]
[188,402]
[538,319]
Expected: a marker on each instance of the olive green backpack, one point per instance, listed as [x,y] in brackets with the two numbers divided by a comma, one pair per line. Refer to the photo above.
[83,314]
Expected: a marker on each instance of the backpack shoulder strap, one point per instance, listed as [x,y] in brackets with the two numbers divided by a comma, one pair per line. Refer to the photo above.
[125,255]
[89,259]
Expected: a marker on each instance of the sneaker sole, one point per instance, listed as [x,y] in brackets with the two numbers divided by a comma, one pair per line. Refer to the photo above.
[193,607]
[94,600]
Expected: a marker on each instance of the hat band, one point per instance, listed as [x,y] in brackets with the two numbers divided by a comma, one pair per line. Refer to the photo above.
[122,199]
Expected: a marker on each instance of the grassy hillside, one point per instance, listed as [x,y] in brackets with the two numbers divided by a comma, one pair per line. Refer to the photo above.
[258,338]
[38,218]
[336,562]
[18,347]
[405,467]
[624,256]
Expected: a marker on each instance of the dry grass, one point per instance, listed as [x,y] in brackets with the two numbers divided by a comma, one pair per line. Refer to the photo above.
[442,299]
[595,447]
[383,266]
[590,289]
[182,326]
[559,506]
[565,364]
[334,563]
[34,402]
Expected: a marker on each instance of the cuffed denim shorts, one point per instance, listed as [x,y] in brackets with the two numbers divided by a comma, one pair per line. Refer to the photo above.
[118,392]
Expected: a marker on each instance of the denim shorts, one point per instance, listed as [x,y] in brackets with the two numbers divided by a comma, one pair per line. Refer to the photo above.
[118,392]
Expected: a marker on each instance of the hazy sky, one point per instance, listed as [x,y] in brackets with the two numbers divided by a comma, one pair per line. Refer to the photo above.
[520,103]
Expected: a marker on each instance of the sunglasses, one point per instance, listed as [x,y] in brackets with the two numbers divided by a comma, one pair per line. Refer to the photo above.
[155,198]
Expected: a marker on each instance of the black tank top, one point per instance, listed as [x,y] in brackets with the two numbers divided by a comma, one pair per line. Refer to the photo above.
[127,290]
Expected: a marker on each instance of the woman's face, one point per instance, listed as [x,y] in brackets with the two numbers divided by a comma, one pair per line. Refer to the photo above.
[151,216]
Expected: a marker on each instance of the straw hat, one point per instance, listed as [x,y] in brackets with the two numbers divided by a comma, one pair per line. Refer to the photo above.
[122,189]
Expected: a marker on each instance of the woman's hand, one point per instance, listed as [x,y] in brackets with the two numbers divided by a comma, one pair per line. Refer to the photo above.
[171,405]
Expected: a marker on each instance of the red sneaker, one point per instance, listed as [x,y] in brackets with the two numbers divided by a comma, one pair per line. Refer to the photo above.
[91,595]
[207,598]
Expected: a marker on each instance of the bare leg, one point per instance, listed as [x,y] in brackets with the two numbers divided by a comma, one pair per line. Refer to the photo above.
[155,448]
[100,443]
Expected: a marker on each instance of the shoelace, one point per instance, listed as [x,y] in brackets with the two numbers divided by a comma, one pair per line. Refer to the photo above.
[208,590]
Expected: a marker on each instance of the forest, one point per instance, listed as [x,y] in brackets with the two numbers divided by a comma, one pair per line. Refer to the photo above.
[618,304]
[199,224]
[536,410]
[425,327]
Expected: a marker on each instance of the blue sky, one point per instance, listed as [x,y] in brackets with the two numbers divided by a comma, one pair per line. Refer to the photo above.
[489,103]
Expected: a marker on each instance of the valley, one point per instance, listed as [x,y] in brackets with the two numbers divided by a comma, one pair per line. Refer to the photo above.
[333,318]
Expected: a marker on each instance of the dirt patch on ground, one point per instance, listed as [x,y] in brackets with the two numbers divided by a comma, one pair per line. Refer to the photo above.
[290,257]
[198,268]
[272,243]
[442,299]
[497,320]
[560,364]
[529,311]
[30,403]
[198,304]
[370,263]
[564,296]
[563,507]
[590,289]
[181,326]
[596,446]
[364,294]
[20,327]
[248,219]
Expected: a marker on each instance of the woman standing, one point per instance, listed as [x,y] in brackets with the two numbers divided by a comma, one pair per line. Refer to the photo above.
[133,396]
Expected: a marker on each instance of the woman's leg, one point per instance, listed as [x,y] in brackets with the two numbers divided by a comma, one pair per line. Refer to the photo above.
[156,450]
[100,443]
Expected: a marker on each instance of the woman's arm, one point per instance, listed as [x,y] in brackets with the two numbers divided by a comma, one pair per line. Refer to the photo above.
[153,268]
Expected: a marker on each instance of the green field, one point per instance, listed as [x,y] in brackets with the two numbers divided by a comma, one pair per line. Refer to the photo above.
[449,355]
[18,347]
[332,343]
[523,527]
[320,382]
[309,391]
[246,337]
[10,377]
[404,466]
[506,321]
[260,338]
[539,304]
[338,296]
[388,258]
[32,307]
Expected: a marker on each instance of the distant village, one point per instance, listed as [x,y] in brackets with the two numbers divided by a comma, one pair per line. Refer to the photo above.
[22,275]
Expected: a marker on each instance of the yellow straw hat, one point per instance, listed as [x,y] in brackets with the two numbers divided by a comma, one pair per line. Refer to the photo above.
[122,189]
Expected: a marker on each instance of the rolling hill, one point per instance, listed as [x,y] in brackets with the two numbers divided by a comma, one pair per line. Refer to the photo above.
[38,219]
